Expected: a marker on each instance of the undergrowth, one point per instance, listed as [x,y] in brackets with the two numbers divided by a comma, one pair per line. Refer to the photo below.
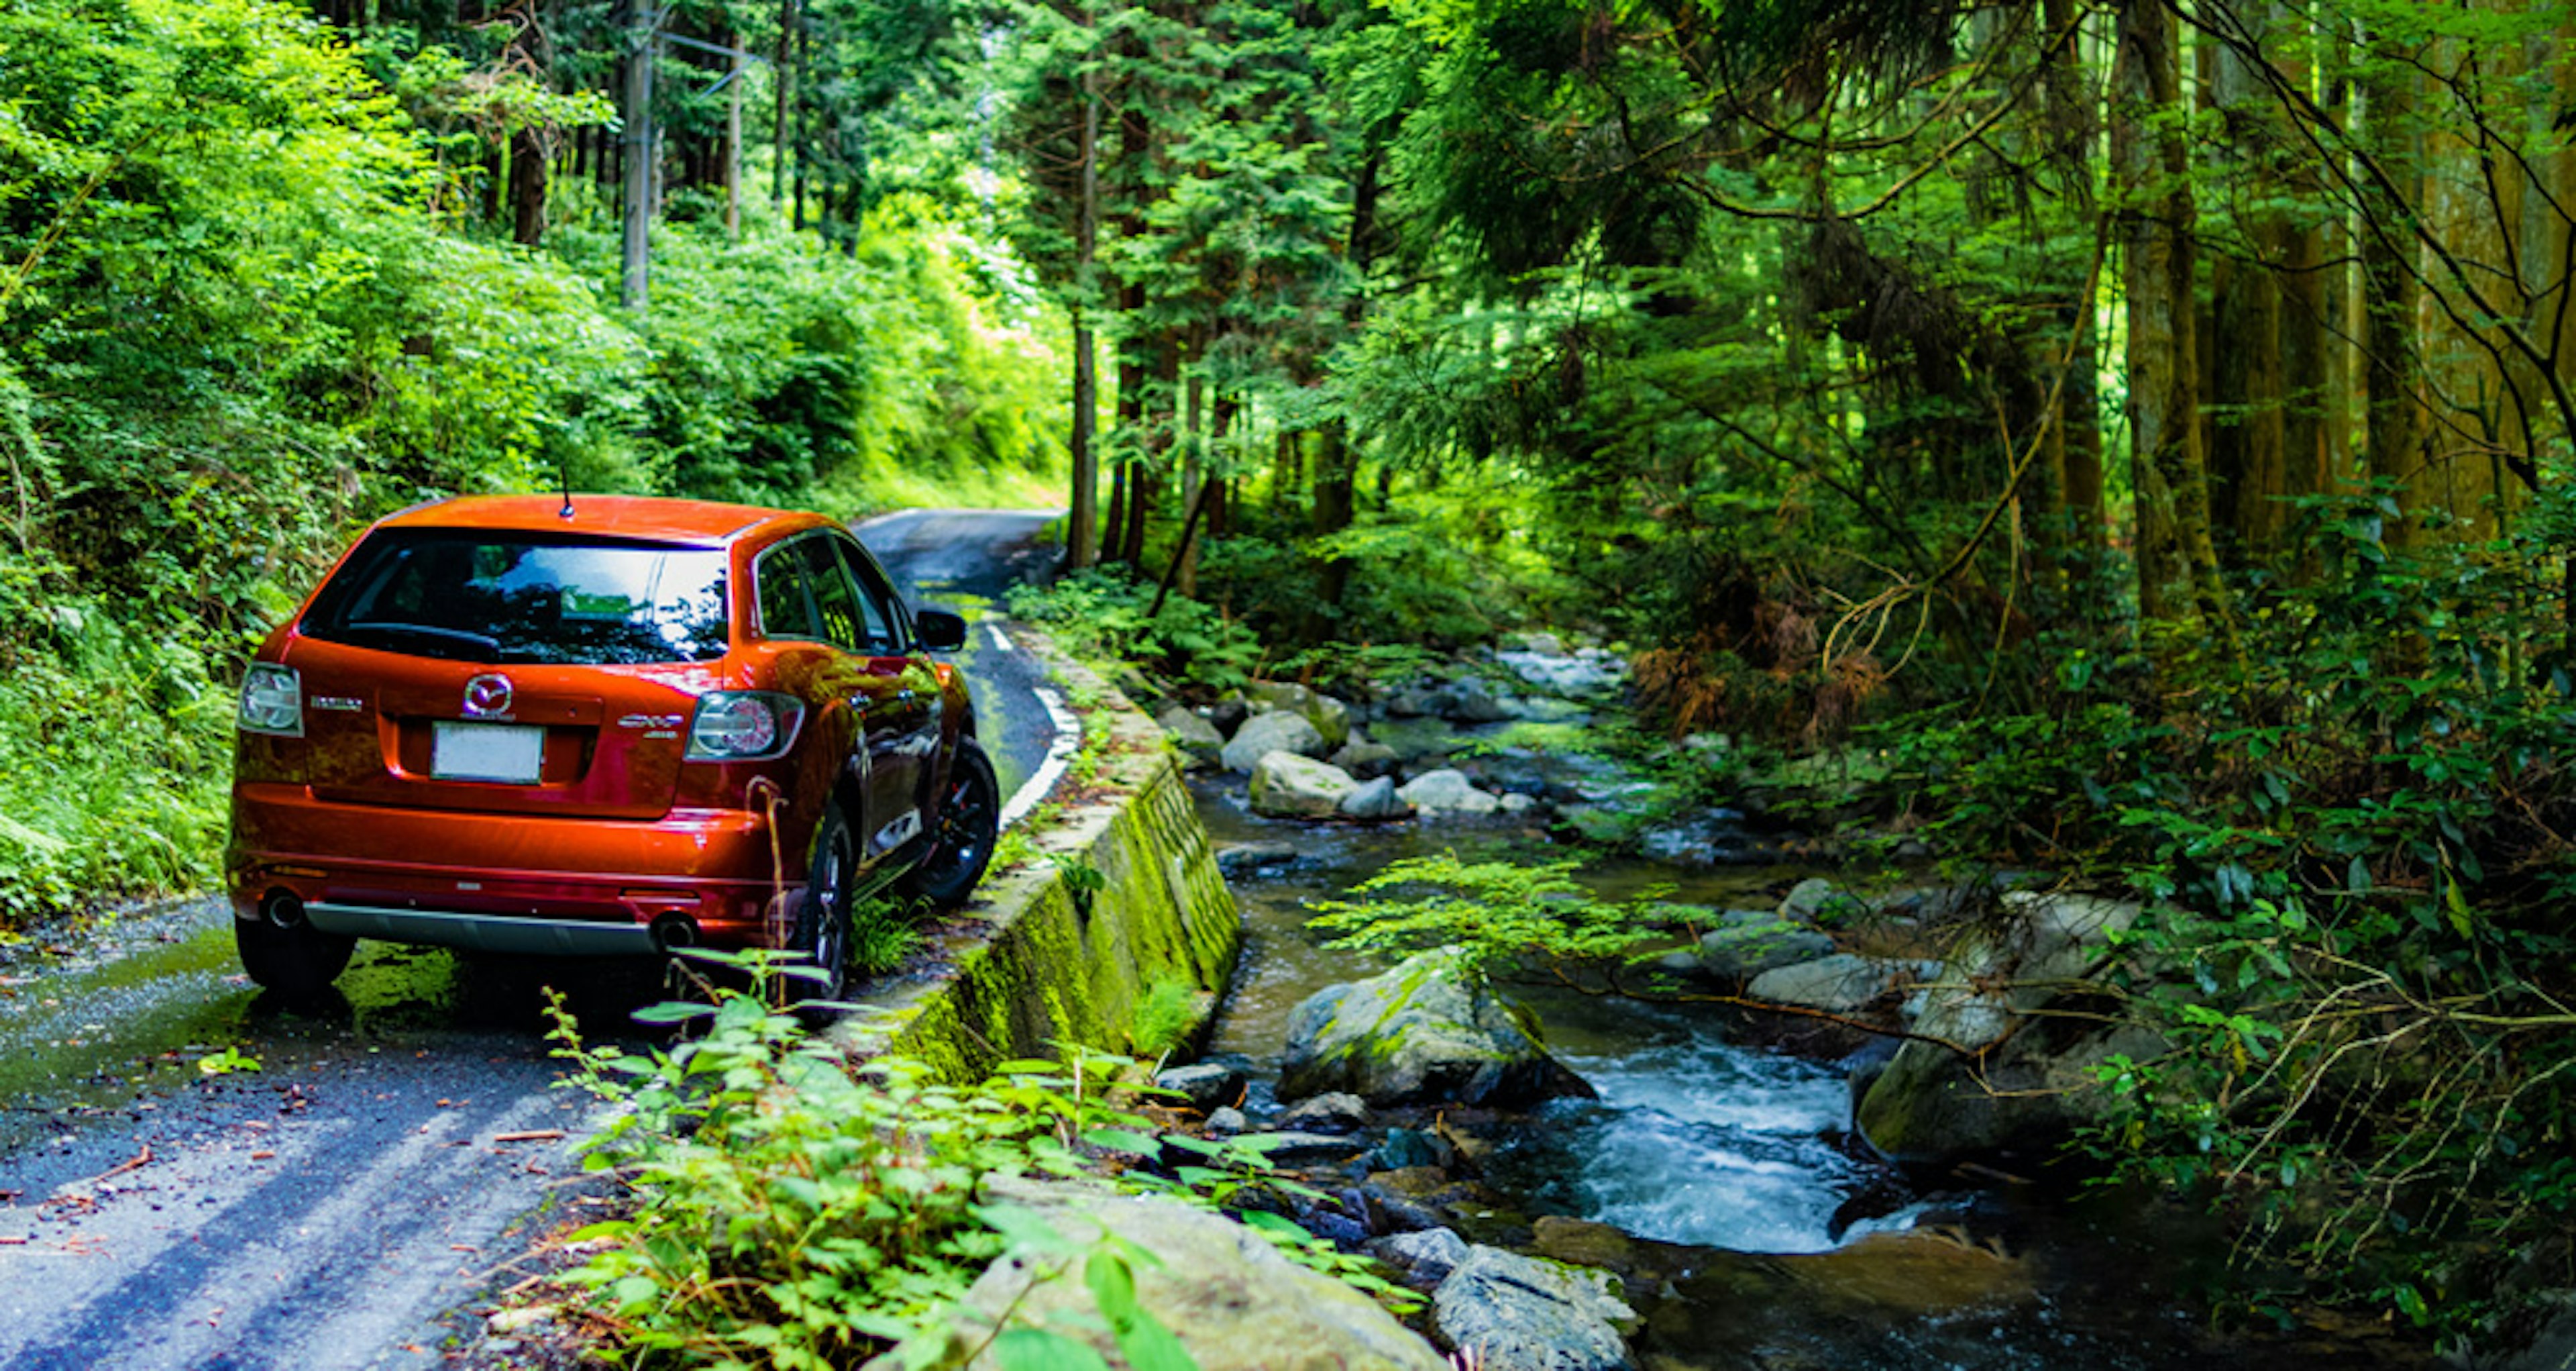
[799,1211]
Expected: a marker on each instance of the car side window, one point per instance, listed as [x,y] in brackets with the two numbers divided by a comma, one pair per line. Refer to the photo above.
[876,599]
[785,609]
[844,622]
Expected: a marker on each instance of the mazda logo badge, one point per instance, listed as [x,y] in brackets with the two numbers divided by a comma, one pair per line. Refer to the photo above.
[487,696]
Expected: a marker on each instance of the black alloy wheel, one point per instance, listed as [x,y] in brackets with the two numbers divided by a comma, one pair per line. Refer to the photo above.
[823,918]
[961,837]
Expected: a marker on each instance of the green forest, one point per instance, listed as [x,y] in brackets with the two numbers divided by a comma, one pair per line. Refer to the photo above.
[2129,438]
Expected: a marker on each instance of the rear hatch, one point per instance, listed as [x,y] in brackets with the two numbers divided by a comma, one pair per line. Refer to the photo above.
[509,672]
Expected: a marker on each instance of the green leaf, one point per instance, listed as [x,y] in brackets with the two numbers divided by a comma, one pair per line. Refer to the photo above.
[1123,1140]
[672,1011]
[1037,1349]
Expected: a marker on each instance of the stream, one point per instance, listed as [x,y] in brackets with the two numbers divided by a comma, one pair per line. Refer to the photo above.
[1719,1179]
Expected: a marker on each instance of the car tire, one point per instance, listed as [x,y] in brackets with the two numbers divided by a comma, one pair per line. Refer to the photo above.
[961,838]
[298,963]
[823,916]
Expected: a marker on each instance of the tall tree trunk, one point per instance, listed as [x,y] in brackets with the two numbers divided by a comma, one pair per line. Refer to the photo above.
[2244,436]
[740,70]
[636,152]
[783,73]
[2178,572]
[529,158]
[1082,527]
[804,99]
[1193,477]
[2390,289]
[2075,442]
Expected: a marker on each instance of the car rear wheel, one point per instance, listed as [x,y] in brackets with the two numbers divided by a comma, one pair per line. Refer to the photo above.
[961,841]
[298,962]
[823,920]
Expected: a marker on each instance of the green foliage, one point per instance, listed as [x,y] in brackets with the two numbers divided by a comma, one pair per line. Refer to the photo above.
[2351,848]
[1493,912]
[1099,615]
[799,1211]
[1164,1016]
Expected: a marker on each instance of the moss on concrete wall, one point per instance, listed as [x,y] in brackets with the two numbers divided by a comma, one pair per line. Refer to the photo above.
[1050,968]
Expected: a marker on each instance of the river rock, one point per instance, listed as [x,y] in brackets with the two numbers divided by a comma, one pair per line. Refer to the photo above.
[1570,674]
[1816,901]
[1710,838]
[1516,1313]
[1414,740]
[1287,786]
[1297,1147]
[1375,800]
[1331,717]
[1206,1085]
[1231,1299]
[1363,758]
[1226,1122]
[1471,701]
[1749,942]
[1424,1259]
[1431,1031]
[1838,984]
[2032,1077]
[1331,1112]
[1197,739]
[1257,859]
[1447,790]
[1263,734]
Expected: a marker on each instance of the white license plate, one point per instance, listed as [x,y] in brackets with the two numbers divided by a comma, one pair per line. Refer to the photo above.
[486,752]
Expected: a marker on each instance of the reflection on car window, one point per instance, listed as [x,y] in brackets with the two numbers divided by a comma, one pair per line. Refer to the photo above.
[516,597]
[843,621]
[873,598]
[785,612]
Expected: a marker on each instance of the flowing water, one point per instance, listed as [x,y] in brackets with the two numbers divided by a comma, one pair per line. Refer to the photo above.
[1758,1233]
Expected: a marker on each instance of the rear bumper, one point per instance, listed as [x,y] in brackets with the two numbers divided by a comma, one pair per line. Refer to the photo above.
[514,883]
[519,936]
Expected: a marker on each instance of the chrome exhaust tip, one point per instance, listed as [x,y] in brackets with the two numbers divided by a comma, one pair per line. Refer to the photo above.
[282,908]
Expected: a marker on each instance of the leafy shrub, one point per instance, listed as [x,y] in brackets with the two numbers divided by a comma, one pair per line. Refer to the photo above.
[795,1211]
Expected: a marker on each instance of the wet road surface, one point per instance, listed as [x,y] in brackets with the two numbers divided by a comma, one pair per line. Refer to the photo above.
[193,1175]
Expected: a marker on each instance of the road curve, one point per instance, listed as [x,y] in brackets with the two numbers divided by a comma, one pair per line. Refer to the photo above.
[343,1193]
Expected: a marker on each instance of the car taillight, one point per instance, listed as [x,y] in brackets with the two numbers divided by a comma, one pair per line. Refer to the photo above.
[272,700]
[743,725]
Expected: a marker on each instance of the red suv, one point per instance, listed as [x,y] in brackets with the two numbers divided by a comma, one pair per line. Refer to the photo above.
[598,726]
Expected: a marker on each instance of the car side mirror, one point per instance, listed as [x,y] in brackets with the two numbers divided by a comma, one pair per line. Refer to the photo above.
[940,629]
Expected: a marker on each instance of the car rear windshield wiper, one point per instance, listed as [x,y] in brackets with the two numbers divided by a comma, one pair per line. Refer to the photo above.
[485,646]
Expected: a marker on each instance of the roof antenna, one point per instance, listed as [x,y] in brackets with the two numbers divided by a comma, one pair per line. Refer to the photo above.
[564,469]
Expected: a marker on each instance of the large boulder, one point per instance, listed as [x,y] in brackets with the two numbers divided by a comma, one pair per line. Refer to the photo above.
[1516,1313]
[1838,984]
[1432,1031]
[1230,1298]
[1448,790]
[1748,942]
[1331,717]
[1287,786]
[1263,734]
[1194,736]
[1988,1071]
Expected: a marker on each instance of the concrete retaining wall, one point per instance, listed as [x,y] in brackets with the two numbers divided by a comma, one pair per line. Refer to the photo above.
[1043,965]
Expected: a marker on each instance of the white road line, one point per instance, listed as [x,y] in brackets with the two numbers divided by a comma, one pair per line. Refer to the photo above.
[1068,740]
[1001,641]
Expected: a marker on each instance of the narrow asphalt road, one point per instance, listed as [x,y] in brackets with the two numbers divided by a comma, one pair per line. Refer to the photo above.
[192,1175]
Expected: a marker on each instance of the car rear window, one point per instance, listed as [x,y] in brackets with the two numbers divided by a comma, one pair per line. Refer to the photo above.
[523,597]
